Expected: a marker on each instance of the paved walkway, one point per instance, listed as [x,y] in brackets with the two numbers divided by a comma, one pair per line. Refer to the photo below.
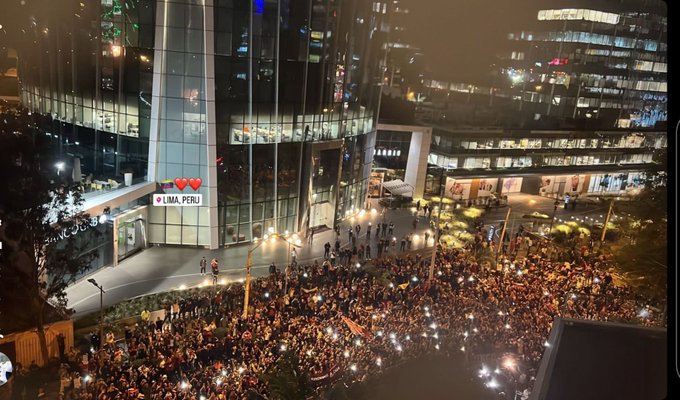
[163,268]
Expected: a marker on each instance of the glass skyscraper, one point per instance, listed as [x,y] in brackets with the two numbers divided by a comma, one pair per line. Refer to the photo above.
[271,103]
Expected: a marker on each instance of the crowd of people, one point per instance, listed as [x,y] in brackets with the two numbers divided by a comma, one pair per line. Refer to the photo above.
[348,319]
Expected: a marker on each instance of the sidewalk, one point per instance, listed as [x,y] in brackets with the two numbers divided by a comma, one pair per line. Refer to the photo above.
[160,269]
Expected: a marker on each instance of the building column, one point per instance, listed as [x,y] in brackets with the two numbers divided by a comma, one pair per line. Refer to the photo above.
[211,123]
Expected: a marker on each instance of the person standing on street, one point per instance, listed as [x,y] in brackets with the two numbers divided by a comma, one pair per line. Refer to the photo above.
[203,263]
[391,230]
[368,231]
[326,250]
[215,270]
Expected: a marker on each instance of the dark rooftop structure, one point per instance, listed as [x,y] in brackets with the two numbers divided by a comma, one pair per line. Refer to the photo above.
[601,360]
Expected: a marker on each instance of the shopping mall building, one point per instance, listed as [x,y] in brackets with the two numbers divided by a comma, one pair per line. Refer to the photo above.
[260,114]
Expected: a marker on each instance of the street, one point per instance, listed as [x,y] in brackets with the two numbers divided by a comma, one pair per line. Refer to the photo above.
[159,269]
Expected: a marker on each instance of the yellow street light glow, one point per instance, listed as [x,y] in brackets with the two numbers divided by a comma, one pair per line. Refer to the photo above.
[182,287]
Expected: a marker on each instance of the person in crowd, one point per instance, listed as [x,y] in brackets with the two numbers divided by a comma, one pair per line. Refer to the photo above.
[211,351]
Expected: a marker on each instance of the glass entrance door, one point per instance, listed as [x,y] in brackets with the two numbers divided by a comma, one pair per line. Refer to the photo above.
[131,237]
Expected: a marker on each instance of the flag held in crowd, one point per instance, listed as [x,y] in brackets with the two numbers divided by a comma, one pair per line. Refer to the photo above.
[356,328]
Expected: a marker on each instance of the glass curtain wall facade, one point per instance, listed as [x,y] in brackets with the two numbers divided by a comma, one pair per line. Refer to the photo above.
[182,130]
[603,62]
[602,66]
[296,99]
[272,103]
[89,72]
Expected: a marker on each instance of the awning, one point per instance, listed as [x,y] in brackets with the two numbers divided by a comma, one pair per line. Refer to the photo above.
[398,187]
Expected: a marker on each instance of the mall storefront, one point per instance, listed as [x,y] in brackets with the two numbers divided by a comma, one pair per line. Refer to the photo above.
[116,229]
[617,183]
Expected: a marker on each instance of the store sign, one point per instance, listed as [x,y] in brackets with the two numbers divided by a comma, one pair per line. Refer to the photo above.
[178,200]
[74,230]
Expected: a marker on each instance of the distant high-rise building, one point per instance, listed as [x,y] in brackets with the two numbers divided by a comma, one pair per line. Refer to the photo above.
[605,63]
[403,60]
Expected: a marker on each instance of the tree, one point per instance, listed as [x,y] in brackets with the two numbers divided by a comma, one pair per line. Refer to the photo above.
[37,208]
[644,221]
[286,381]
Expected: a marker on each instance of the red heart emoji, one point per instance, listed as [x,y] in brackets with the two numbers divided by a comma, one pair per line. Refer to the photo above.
[181,183]
[195,183]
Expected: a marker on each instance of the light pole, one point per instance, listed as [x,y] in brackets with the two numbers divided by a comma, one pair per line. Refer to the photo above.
[249,266]
[101,308]
[606,221]
[557,203]
[436,231]
[59,166]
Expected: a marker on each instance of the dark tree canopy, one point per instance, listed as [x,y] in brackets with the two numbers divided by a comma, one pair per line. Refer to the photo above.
[36,205]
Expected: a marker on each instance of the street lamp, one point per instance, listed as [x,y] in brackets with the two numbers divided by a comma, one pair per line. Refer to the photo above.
[101,308]
[436,232]
[59,166]
[249,266]
[557,203]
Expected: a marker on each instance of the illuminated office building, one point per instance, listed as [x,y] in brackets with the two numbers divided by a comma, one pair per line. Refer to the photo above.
[603,66]
[580,93]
